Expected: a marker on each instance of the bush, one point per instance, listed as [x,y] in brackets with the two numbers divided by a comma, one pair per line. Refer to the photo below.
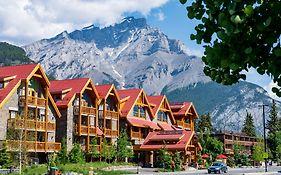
[76,155]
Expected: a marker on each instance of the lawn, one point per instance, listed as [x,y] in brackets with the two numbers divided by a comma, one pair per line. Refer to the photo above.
[79,168]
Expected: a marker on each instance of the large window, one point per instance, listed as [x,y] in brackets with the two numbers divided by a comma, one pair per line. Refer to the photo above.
[13,114]
[142,112]
[110,105]
[136,111]
[162,116]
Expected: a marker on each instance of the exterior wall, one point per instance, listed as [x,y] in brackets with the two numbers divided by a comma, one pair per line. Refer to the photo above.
[70,128]
[4,113]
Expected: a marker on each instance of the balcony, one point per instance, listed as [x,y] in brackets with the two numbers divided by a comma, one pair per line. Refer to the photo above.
[34,101]
[111,114]
[86,130]
[88,110]
[31,124]
[183,124]
[110,132]
[33,146]
[137,135]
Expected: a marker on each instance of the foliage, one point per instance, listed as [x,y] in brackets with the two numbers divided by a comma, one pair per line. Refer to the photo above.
[237,154]
[76,155]
[107,151]
[165,158]
[230,161]
[124,147]
[278,149]
[94,151]
[53,160]
[178,160]
[62,155]
[210,145]
[238,35]
[273,125]
[5,157]
[258,152]
[205,122]
[248,126]
[11,55]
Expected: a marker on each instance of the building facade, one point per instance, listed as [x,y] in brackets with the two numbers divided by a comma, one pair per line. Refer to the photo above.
[77,100]
[28,111]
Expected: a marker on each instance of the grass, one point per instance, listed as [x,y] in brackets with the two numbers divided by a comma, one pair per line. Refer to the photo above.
[79,168]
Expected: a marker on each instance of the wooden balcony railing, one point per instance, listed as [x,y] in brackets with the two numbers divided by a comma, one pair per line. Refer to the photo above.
[111,114]
[31,124]
[32,101]
[88,110]
[33,146]
[183,124]
[137,135]
[110,132]
[85,129]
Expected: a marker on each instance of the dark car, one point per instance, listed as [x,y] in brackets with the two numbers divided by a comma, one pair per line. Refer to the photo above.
[217,167]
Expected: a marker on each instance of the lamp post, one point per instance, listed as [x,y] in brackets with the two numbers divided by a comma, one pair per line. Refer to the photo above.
[264,137]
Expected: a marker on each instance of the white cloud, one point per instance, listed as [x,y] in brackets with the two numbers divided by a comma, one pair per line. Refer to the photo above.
[271,94]
[25,21]
[160,16]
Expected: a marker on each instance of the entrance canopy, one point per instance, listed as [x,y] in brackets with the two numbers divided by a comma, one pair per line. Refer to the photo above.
[171,140]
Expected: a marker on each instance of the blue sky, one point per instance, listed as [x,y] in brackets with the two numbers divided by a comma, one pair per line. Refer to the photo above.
[26,21]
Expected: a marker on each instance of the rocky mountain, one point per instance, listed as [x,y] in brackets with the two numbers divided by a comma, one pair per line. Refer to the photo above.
[134,54]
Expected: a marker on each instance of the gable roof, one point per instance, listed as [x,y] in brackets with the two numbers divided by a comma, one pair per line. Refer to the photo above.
[132,96]
[182,109]
[70,87]
[105,90]
[181,139]
[17,73]
[158,101]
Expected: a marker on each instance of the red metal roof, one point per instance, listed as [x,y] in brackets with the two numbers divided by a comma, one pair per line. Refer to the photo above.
[180,109]
[75,85]
[103,90]
[20,72]
[180,140]
[157,100]
[142,123]
[129,104]
[165,126]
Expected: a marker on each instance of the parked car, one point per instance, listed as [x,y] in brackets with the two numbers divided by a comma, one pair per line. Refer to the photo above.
[217,167]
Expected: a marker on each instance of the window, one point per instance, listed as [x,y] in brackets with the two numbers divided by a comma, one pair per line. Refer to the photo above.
[13,114]
[162,116]
[136,111]
[110,104]
[142,112]
[1,85]
[187,120]
[165,118]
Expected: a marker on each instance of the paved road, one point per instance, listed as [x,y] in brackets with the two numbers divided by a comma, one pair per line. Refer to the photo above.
[231,171]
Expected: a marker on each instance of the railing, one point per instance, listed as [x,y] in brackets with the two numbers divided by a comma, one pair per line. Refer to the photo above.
[88,110]
[33,146]
[183,124]
[111,114]
[32,101]
[110,132]
[31,124]
[85,129]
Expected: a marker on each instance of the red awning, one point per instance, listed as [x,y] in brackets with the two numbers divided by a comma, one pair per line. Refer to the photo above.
[142,123]
[221,156]
[175,137]
[99,132]
[165,126]
[205,156]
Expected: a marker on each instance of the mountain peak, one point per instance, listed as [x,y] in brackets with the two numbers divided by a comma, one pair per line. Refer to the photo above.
[136,22]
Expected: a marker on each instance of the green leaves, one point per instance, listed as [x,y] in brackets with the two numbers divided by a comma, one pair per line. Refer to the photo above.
[183,1]
[249,10]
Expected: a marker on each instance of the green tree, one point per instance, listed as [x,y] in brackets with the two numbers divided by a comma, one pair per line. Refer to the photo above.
[76,155]
[248,126]
[165,158]
[273,126]
[124,147]
[94,151]
[178,160]
[62,154]
[5,157]
[278,149]
[238,35]
[237,153]
[258,152]
[107,151]
[204,122]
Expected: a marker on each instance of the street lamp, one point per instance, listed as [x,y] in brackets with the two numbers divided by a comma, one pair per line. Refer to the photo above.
[264,137]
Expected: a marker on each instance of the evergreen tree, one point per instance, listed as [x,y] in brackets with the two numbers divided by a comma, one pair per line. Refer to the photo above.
[62,154]
[5,158]
[165,158]
[178,160]
[76,155]
[273,126]
[205,123]
[124,147]
[248,126]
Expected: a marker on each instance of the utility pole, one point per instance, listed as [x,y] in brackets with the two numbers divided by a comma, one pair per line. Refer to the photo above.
[264,137]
